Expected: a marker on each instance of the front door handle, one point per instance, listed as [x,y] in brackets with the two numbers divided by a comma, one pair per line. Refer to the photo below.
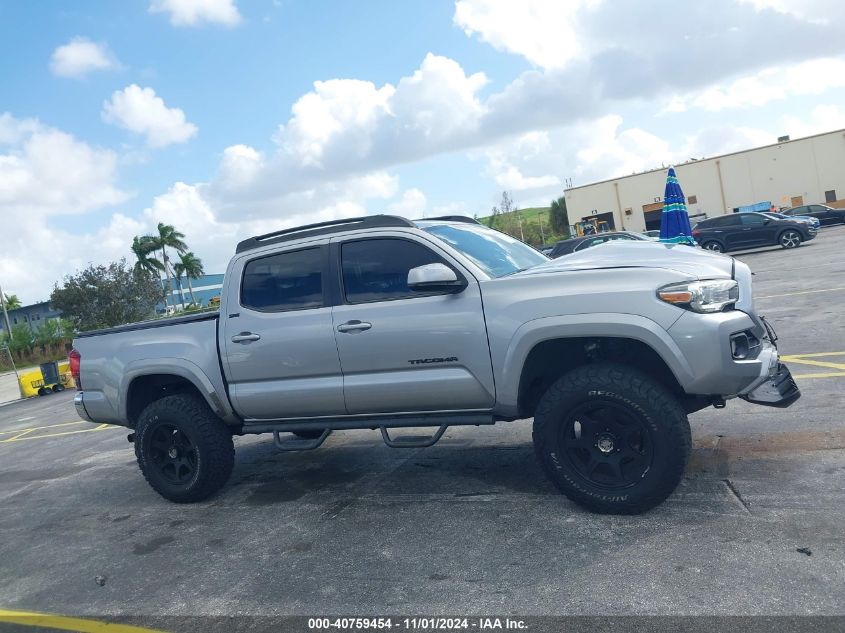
[245,337]
[354,326]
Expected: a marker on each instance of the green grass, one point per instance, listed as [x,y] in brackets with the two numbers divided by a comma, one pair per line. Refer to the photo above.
[531,214]
[531,218]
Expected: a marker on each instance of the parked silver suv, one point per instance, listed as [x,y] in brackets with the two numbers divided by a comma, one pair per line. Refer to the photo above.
[384,323]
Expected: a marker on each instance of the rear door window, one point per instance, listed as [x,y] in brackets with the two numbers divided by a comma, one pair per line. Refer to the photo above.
[283,282]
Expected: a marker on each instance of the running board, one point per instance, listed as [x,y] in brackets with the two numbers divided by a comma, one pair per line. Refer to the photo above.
[413,441]
[439,420]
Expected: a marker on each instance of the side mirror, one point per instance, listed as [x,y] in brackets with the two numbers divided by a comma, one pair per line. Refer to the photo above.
[767,220]
[434,278]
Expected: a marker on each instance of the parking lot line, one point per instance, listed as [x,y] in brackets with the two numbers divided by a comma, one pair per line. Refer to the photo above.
[832,374]
[25,436]
[49,426]
[65,623]
[806,359]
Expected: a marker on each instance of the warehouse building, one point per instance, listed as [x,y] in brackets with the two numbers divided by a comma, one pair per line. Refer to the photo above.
[789,173]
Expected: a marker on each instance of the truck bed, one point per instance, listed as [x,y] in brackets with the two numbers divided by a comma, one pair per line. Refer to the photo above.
[158,352]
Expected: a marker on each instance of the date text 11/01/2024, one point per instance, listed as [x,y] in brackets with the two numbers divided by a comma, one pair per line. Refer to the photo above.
[417,624]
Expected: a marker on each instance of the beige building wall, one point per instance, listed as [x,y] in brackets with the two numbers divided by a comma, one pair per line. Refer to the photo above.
[782,173]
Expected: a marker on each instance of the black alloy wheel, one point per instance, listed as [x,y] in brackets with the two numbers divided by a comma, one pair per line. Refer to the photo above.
[606,444]
[172,454]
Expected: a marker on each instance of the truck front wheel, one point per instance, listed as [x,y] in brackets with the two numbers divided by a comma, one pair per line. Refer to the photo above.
[185,452]
[611,438]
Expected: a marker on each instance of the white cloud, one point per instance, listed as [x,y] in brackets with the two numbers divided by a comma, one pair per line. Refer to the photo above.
[345,122]
[342,133]
[411,205]
[37,255]
[543,32]
[823,118]
[44,171]
[195,12]
[141,111]
[811,10]
[336,111]
[503,159]
[81,56]
[812,77]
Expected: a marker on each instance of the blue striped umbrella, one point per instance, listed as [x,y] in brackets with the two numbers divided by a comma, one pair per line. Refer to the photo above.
[674,222]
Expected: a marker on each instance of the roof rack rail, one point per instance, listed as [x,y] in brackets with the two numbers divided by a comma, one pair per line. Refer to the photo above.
[322,228]
[453,218]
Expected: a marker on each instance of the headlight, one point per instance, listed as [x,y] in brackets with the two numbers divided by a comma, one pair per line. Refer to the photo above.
[710,295]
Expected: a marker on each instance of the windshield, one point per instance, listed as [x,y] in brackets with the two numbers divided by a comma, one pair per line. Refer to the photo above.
[495,253]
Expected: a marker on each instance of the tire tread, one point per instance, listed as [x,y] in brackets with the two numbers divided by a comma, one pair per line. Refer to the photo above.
[208,429]
[627,381]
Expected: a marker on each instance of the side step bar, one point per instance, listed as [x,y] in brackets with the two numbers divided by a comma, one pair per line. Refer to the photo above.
[300,444]
[413,441]
[441,421]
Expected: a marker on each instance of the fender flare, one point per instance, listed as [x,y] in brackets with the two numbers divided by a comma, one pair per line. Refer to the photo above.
[182,368]
[609,324]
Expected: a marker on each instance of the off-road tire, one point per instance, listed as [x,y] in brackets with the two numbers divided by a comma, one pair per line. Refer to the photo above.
[208,435]
[659,412]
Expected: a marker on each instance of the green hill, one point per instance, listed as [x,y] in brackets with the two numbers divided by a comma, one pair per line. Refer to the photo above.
[532,219]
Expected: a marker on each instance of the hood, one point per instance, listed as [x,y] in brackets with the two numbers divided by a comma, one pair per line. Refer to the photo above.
[694,262]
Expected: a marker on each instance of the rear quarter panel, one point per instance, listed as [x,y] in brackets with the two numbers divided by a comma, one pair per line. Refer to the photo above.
[110,362]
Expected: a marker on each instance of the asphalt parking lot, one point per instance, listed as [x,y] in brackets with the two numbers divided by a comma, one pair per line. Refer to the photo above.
[468,526]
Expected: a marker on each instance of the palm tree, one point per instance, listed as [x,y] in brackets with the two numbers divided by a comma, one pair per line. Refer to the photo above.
[168,237]
[191,265]
[178,271]
[12,302]
[141,248]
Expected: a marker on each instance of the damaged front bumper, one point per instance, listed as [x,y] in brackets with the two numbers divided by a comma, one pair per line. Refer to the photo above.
[778,388]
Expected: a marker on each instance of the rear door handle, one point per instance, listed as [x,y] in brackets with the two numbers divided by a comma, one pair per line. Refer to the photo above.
[354,326]
[245,337]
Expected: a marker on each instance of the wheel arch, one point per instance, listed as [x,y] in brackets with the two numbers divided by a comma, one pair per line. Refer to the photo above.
[545,349]
[144,383]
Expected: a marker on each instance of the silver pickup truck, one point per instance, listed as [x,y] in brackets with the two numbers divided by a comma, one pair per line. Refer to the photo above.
[384,323]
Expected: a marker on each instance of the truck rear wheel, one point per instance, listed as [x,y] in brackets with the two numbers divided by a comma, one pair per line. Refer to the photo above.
[185,452]
[611,438]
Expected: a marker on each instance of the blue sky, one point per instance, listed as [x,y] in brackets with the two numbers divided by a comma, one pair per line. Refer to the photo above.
[228,117]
